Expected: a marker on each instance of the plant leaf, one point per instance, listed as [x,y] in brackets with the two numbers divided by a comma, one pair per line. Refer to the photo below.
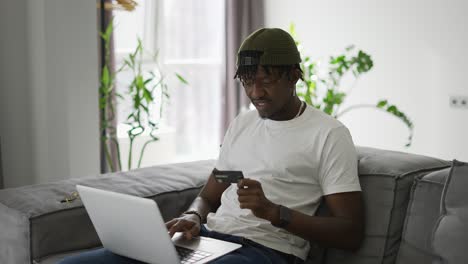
[181,78]
[139,82]
[349,48]
[382,103]
[147,95]
[292,29]
[393,110]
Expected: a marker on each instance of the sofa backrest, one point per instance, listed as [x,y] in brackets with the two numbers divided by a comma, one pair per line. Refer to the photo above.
[29,213]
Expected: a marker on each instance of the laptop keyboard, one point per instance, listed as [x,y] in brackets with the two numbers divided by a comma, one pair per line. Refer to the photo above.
[191,256]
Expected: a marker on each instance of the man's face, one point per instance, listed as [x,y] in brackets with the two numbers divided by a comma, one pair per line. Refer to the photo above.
[271,94]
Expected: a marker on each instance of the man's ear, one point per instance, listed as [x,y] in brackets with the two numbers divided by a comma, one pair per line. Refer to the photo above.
[295,75]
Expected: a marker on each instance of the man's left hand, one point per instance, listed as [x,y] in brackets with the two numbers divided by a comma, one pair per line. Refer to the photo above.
[251,197]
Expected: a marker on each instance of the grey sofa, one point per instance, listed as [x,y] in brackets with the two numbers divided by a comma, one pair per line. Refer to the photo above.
[402,193]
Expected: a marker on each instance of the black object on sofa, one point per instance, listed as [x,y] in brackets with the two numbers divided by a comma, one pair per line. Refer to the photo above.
[35,227]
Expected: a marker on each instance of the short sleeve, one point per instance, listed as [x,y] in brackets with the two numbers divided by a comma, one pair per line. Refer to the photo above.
[338,171]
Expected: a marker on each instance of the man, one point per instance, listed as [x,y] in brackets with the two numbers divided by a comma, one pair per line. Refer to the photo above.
[291,155]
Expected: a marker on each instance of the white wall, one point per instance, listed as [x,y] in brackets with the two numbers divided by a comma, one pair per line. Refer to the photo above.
[49,90]
[419,52]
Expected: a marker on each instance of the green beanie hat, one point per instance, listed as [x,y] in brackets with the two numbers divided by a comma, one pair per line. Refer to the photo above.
[268,46]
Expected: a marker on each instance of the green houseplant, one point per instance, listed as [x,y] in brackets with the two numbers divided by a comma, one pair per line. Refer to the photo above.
[325,91]
[141,90]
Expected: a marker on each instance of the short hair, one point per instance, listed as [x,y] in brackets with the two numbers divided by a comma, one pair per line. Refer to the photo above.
[247,72]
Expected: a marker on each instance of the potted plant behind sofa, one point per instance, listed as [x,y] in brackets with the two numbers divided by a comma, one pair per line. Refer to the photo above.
[324,93]
[141,90]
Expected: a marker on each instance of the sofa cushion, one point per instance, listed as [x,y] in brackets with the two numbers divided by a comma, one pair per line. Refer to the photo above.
[386,178]
[450,236]
[34,223]
[421,216]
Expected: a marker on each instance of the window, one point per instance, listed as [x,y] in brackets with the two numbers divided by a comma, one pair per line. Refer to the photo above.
[190,38]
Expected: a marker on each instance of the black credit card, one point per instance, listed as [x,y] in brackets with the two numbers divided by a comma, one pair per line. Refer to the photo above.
[224,176]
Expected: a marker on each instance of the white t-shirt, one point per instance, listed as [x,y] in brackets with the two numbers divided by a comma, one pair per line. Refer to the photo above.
[296,161]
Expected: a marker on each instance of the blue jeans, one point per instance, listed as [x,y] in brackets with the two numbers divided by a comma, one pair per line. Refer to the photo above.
[250,252]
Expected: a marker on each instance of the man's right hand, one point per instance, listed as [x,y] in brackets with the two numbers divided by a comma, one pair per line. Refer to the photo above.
[207,201]
[189,224]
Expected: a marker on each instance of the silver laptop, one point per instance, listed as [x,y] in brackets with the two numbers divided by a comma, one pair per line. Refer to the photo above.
[133,227]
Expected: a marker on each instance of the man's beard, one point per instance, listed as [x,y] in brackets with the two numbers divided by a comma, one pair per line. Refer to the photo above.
[262,117]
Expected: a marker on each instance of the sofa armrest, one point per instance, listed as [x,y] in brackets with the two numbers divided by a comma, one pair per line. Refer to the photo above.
[34,224]
[386,179]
